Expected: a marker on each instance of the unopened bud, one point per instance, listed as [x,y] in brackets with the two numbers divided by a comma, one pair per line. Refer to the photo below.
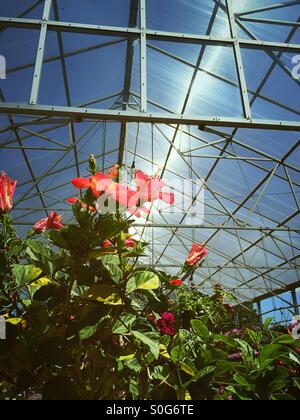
[93,165]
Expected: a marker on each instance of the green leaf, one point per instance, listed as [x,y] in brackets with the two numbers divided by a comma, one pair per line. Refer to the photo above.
[115,272]
[88,332]
[246,348]
[270,351]
[153,344]
[232,390]
[294,358]
[133,365]
[143,280]
[283,397]
[42,255]
[187,369]
[297,382]
[223,366]
[25,274]
[177,354]
[242,381]
[104,293]
[254,337]
[200,329]
[278,385]
[205,371]
[268,322]
[58,239]
[14,321]
[134,389]
[285,339]
[124,324]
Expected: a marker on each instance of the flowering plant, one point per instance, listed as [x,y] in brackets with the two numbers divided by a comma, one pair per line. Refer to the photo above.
[84,320]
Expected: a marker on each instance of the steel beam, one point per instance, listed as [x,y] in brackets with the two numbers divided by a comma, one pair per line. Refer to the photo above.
[239,61]
[150,34]
[223,227]
[37,74]
[81,114]
[269,8]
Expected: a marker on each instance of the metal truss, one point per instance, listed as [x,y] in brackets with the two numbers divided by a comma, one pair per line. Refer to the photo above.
[33,120]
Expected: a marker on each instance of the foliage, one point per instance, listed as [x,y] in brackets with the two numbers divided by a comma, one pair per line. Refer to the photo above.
[86,321]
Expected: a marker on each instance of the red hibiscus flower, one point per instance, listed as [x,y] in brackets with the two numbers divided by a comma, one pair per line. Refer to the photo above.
[107,244]
[98,183]
[176,282]
[148,190]
[197,253]
[7,190]
[114,172]
[53,222]
[75,200]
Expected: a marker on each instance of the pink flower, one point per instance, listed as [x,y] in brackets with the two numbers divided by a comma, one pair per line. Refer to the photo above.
[149,189]
[130,243]
[197,253]
[53,222]
[294,324]
[7,190]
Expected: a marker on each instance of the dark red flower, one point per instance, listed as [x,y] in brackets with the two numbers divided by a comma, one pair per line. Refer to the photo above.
[280,363]
[169,331]
[53,222]
[169,318]
[197,253]
[298,350]
[7,190]
[151,318]
[229,309]
[166,324]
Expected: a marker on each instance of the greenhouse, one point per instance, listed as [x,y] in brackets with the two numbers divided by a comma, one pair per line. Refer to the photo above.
[149,200]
